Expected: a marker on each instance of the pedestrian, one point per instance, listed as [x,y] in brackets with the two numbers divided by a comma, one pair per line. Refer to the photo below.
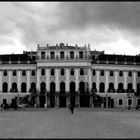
[71,108]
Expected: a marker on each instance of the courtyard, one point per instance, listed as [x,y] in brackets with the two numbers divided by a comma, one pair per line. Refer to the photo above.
[60,123]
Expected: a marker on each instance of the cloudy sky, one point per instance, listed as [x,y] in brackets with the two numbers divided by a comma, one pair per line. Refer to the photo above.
[110,26]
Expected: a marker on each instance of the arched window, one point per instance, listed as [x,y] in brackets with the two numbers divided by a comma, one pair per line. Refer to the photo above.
[52,88]
[120,86]
[81,71]
[102,87]
[5,87]
[14,87]
[33,86]
[42,71]
[111,86]
[23,87]
[72,71]
[43,87]
[129,86]
[62,87]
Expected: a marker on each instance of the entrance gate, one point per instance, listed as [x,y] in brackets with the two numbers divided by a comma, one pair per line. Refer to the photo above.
[52,94]
[62,96]
[72,93]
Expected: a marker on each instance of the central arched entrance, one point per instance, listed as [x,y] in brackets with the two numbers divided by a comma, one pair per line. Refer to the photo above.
[42,94]
[72,93]
[62,96]
[52,94]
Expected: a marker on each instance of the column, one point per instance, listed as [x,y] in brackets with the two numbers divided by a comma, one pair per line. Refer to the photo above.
[116,80]
[19,82]
[1,80]
[90,85]
[106,80]
[47,86]
[9,79]
[134,81]
[28,80]
[125,80]
[57,86]
[38,79]
[67,86]
[97,80]
[77,86]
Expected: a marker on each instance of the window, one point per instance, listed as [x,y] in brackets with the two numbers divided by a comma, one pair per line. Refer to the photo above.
[42,55]
[111,73]
[23,73]
[33,72]
[80,54]
[120,101]
[5,73]
[52,55]
[42,71]
[62,71]
[71,55]
[102,73]
[61,55]
[130,73]
[52,72]
[81,71]
[72,71]
[14,73]
[93,72]
[138,73]
[120,73]
[129,101]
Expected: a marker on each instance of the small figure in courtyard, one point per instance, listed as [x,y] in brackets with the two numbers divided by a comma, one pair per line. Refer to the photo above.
[71,108]
[129,107]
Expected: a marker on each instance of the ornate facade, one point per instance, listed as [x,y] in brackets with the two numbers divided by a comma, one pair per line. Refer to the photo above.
[64,74]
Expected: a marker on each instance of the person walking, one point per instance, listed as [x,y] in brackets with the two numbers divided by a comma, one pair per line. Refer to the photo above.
[71,108]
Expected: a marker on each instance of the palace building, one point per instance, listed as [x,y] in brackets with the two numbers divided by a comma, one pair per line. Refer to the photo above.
[64,74]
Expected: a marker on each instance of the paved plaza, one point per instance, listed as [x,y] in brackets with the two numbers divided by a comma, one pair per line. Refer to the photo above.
[60,123]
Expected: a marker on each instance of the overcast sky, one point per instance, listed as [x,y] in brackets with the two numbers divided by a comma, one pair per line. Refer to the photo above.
[110,26]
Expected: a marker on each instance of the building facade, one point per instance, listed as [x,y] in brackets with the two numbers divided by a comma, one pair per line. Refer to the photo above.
[63,74]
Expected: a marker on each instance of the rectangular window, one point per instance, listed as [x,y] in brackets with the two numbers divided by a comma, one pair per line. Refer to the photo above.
[130,73]
[62,72]
[52,55]
[111,73]
[138,73]
[23,72]
[5,73]
[93,72]
[62,55]
[71,55]
[120,73]
[52,72]
[80,54]
[120,101]
[42,72]
[33,72]
[14,73]
[42,55]
[102,73]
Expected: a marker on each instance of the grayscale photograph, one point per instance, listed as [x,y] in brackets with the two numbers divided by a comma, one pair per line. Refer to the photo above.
[69,69]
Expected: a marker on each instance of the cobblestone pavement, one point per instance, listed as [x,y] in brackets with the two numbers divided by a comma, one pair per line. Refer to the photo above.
[60,123]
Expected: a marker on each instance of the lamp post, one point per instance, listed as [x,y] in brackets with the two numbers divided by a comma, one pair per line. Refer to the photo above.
[106,100]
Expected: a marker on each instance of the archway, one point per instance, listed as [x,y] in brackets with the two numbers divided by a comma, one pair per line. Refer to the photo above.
[72,93]
[52,94]
[23,87]
[14,87]
[102,87]
[62,97]
[120,88]
[94,87]
[5,87]
[42,95]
